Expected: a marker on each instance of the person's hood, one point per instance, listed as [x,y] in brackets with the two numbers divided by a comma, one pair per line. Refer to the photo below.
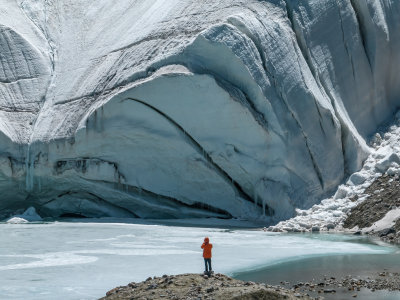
[206,240]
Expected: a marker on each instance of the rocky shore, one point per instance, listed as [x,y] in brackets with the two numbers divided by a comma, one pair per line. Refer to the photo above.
[222,287]
[349,285]
[196,287]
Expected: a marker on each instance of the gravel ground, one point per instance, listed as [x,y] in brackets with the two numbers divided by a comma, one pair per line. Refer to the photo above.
[351,284]
[196,287]
[221,287]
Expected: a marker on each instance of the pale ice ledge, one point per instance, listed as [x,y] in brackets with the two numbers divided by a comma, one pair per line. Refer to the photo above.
[30,215]
[186,109]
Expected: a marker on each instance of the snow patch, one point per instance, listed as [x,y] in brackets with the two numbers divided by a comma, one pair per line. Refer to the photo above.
[386,222]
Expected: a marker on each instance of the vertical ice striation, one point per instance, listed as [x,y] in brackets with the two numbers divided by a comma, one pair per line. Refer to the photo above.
[171,109]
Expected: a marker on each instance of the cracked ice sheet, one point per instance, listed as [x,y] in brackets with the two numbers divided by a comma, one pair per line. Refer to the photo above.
[332,212]
[95,257]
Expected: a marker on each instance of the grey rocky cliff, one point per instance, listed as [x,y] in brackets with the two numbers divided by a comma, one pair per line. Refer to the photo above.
[166,109]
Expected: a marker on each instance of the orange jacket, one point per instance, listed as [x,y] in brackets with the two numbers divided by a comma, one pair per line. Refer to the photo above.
[206,250]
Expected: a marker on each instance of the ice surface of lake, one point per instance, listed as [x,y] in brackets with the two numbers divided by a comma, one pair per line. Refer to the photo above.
[85,260]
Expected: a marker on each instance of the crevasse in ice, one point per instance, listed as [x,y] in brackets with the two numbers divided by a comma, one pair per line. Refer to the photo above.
[169,109]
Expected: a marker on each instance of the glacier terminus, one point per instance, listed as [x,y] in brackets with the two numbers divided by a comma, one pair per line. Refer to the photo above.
[242,109]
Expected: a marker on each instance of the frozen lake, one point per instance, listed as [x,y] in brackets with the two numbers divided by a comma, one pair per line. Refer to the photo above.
[85,260]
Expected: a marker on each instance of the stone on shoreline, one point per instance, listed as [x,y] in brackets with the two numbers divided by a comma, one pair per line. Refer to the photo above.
[195,286]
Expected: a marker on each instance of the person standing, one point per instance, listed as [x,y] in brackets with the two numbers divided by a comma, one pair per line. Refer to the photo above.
[207,246]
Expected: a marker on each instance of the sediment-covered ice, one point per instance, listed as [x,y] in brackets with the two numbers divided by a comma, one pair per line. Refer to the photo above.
[171,109]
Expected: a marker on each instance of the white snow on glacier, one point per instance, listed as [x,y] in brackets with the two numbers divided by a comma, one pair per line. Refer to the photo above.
[169,109]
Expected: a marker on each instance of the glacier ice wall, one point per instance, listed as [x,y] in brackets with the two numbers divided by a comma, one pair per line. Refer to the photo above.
[171,109]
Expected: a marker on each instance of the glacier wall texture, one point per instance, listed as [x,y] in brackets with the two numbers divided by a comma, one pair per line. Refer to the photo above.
[181,108]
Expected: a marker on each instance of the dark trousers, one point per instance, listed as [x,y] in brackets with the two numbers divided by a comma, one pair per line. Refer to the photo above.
[207,262]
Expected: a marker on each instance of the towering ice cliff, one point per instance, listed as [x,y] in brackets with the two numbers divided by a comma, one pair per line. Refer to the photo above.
[181,108]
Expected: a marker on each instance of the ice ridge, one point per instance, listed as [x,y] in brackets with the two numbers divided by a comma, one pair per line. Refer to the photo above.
[176,109]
